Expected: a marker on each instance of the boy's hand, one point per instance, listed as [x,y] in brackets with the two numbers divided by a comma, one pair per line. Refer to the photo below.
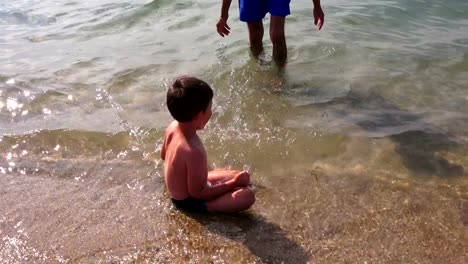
[242,179]
[319,17]
[222,27]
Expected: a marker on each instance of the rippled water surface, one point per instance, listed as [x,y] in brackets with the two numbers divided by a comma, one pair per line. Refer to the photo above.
[361,158]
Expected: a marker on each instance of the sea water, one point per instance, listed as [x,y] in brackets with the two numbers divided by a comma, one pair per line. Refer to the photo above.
[362,156]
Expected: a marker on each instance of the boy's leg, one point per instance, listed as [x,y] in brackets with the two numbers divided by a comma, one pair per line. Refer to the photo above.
[235,201]
[256,37]
[221,175]
[278,39]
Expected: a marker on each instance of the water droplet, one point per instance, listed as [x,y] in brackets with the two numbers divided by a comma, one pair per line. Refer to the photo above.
[18,224]
[12,104]
[10,81]
[122,154]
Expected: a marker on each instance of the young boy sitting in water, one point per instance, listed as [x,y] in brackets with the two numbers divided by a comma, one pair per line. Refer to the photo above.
[191,186]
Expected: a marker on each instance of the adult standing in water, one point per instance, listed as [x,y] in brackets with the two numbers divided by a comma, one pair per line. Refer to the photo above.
[253,11]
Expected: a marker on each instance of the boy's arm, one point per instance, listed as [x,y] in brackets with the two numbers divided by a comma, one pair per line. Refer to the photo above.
[319,16]
[221,175]
[163,149]
[222,27]
[167,139]
[197,174]
[210,192]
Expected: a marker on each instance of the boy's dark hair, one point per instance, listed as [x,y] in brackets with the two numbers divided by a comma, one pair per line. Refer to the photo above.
[187,97]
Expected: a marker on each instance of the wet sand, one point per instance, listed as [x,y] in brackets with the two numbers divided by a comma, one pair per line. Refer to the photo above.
[340,217]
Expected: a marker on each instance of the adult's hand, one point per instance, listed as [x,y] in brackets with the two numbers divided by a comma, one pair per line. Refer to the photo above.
[319,17]
[222,27]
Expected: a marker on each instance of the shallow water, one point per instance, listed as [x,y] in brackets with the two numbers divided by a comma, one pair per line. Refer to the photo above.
[362,157]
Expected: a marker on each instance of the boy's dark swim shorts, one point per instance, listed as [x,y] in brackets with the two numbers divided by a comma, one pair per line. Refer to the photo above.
[190,205]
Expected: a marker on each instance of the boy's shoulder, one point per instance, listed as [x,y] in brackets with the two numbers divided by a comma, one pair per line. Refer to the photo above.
[181,145]
[171,127]
[184,153]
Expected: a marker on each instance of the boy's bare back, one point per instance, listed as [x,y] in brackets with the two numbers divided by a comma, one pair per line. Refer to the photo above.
[177,150]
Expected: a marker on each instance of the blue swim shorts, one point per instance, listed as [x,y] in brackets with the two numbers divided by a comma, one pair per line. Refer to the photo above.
[255,10]
[190,205]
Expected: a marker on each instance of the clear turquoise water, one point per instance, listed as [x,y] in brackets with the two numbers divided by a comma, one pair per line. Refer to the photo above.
[371,125]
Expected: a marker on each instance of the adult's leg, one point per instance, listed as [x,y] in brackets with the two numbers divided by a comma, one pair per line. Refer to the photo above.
[256,37]
[278,39]
[235,201]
